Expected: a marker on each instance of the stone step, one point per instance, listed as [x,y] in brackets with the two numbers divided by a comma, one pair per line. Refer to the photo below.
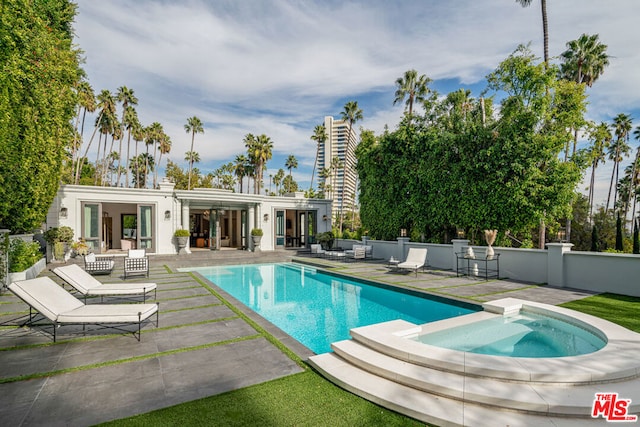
[428,407]
[555,399]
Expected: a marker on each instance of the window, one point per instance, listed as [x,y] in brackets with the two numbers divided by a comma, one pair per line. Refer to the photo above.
[129,225]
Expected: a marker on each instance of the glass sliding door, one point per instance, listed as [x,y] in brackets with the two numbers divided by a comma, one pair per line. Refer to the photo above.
[280,229]
[91,225]
[145,228]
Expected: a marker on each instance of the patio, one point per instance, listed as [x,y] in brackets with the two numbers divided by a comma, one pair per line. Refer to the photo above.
[201,348]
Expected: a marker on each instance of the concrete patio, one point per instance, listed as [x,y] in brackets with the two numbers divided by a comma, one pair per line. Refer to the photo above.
[202,346]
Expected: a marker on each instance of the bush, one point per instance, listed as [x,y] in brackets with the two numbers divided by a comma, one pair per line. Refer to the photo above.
[326,240]
[256,232]
[54,235]
[23,255]
[181,232]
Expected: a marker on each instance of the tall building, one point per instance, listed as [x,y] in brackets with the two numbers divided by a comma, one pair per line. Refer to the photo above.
[340,185]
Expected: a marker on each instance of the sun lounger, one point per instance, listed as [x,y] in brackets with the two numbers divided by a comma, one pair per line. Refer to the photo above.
[416,258]
[88,285]
[61,308]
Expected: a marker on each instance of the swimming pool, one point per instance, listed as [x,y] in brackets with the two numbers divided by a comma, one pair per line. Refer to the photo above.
[525,334]
[317,308]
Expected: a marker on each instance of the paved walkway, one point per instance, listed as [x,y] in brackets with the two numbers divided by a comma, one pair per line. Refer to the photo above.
[202,347]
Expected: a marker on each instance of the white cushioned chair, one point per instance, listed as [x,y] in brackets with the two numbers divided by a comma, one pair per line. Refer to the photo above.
[137,262]
[98,264]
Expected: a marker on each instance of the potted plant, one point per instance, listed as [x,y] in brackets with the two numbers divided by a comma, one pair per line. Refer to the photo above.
[80,247]
[59,238]
[326,240]
[25,260]
[256,237]
[490,237]
[182,238]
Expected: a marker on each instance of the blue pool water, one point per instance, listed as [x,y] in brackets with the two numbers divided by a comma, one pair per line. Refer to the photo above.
[524,335]
[317,308]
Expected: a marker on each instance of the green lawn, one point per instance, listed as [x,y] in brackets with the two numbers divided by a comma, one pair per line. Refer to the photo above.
[307,399]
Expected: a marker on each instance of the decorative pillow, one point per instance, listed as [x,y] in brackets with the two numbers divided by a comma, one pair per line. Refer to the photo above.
[90,258]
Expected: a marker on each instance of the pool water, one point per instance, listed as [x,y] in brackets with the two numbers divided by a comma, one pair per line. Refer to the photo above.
[523,335]
[317,308]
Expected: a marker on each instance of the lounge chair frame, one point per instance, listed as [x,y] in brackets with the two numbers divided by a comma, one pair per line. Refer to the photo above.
[62,304]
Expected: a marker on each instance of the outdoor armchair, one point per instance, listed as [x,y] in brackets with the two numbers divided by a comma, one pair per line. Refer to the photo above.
[98,264]
[137,262]
[61,308]
[88,285]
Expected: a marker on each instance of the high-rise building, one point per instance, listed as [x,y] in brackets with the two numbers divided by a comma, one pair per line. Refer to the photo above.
[337,158]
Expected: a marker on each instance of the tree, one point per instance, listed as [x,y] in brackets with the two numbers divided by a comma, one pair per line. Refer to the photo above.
[636,239]
[413,87]
[164,146]
[545,27]
[193,126]
[595,246]
[319,136]
[128,100]
[131,123]
[259,150]
[291,163]
[86,103]
[241,168]
[619,245]
[600,137]
[106,124]
[618,150]
[351,113]
[154,135]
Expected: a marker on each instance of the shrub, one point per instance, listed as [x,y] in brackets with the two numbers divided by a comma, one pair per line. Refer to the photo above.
[181,232]
[256,232]
[23,255]
[62,234]
[326,240]
[80,247]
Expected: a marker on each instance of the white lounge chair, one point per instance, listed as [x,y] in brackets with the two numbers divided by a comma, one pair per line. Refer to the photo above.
[61,308]
[416,258]
[88,285]
[137,262]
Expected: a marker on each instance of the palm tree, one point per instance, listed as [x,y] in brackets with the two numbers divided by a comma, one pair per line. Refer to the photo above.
[634,176]
[583,62]
[139,133]
[619,148]
[127,98]
[193,126]
[259,150]
[191,157]
[240,168]
[154,135]
[413,88]
[351,113]
[278,179]
[130,122]
[319,136]
[164,146]
[86,102]
[104,122]
[600,136]
[545,29]
[291,163]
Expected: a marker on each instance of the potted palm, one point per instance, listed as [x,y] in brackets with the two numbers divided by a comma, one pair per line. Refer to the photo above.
[182,238]
[256,237]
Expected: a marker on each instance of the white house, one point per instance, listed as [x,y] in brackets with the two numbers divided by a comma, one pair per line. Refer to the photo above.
[113,218]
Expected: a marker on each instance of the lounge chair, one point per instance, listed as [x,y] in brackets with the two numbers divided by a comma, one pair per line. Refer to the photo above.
[416,258]
[98,264]
[61,308]
[137,262]
[88,285]
[316,249]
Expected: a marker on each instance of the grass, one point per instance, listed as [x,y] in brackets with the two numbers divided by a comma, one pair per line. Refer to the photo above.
[615,308]
[304,399]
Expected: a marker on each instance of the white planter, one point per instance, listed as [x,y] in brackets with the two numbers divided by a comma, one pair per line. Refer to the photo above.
[30,273]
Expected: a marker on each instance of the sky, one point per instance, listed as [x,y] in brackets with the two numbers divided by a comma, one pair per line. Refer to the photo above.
[279,67]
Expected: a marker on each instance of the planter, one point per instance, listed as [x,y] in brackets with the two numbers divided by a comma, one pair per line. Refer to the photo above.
[182,244]
[256,242]
[30,273]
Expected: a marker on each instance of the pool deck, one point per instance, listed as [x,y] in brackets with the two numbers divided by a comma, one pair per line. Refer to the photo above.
[202,346]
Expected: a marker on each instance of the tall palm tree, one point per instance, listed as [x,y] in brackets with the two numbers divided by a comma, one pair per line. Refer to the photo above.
[618,150]
[86,100]
[127,98]
[583,62]
[104,122]
[319,136]
[291,163]
[139,133]
[164,147]
[130,122]
[192,157]
[545,29]
[600,136]
[413,87]
[351,113]
[260,150]
[240,168]
[635,176]
[193,126]
[154,134]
